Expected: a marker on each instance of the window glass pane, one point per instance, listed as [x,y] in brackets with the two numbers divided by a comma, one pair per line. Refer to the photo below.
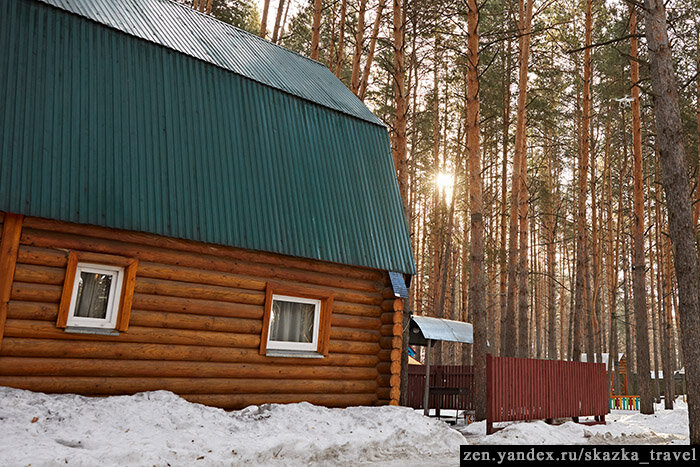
[93,295]
[292,322]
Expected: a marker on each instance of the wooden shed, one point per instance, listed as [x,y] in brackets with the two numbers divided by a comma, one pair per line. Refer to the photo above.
[185,206]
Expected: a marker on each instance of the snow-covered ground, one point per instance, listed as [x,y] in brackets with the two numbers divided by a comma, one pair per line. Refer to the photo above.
[160,428]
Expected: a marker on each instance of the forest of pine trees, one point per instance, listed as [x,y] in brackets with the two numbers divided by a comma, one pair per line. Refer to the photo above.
[549,194]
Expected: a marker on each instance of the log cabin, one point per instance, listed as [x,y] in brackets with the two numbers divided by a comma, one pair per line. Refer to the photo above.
[188,207]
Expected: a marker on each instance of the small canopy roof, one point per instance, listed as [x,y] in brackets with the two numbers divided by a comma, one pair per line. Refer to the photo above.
[438,329]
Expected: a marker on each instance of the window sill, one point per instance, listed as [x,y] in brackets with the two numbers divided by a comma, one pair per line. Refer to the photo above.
[84,330]
[292,353]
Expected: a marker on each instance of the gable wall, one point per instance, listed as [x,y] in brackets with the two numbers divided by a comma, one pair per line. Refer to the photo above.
[195,324]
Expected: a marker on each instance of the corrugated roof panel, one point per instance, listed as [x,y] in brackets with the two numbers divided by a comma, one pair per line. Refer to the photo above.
[439,329]
[182,29]
[98,127]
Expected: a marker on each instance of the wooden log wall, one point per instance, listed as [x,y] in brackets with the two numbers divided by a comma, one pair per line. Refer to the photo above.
[196,324]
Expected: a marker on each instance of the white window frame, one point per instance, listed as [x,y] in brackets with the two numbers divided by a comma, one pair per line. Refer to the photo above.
[295,346]
[113,302]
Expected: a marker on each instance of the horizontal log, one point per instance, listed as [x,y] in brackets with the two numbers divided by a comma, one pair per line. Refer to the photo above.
[384,394]
[388,293]
[42,256]
[383,381]
[390,342]
[389,368]
[154,268]
[198,291]
[196,306]
[395,381]
[36,347]
[50,366]
[48,330]
[82,237]
[387,317]
[204,248]
[392,305]
[355,322]
[391,330]
[185,274]
[130,385]
[365,348]
[384,367]
[32,310]
[388,355]
[36,292]
[395,394]
[240,401]
[39,274]
[351,334]
[161,319]
[356,309]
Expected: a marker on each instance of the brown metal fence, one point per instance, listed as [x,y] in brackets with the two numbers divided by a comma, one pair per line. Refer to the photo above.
[529,389]
[442,377]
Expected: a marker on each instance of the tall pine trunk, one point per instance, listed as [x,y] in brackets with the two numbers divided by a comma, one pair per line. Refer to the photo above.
[278,21]
[525,22]
[372,46]
[504,191]
[315,27]
[477,284]
[676,183]
[646,403]
[357,53]
[341,38]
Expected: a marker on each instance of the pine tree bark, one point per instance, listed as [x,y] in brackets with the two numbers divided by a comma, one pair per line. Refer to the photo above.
[357,53]
[581,314]
[370,53]
[477,284]
[525,27]
[341,39]
[669,131]
[550,236]
[696,206]
[503,276]
[646,403]
[315,28]
[278,21]
[514,338]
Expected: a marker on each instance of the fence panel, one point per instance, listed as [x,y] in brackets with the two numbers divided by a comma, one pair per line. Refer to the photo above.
[529,389]
[442,376]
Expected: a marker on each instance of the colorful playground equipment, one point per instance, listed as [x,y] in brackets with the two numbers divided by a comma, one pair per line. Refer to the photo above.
[624,402]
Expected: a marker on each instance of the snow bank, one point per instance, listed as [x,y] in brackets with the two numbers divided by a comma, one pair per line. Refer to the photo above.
[622,427]
[160,428]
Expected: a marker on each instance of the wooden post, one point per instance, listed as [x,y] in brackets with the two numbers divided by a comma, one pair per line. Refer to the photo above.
[426,392]
[489,395]
[9,246]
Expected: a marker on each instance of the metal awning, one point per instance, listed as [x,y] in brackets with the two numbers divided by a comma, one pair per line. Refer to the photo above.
[424,328]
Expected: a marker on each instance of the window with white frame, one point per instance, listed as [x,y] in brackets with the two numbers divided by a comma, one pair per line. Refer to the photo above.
[294,324]
[95,297]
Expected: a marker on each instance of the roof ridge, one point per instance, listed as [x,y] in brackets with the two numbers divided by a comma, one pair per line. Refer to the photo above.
[213,18]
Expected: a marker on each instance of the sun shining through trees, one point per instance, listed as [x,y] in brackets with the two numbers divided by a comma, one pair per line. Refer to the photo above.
[444,183]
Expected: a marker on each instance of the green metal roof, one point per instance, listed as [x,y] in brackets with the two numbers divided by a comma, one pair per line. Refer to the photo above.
[99,127]
[180,28]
